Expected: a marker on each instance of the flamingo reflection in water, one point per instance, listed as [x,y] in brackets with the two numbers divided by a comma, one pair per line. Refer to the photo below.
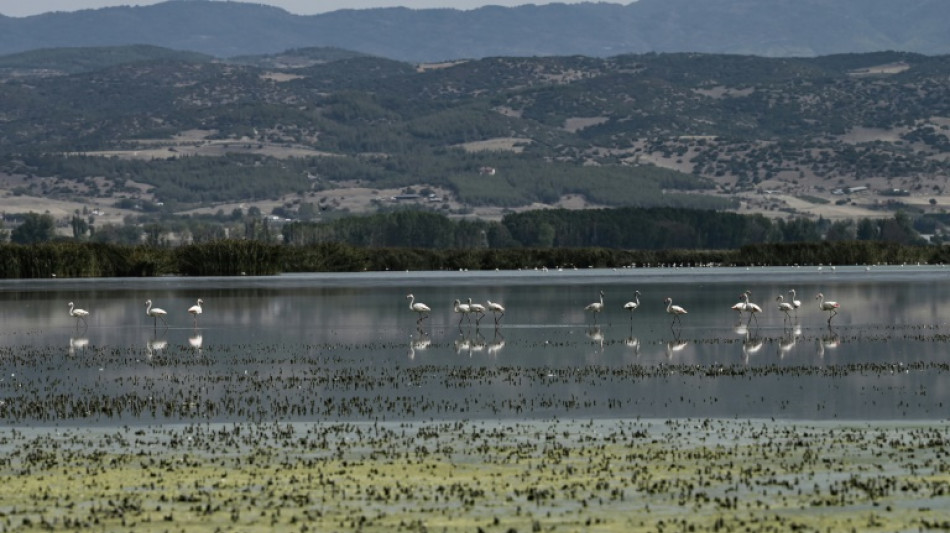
[751,345]
[596,334]
[155,346]
[829,341]
[420,342]
[634,343]
[195,340]
[496,345]
[78,344]
[675,346]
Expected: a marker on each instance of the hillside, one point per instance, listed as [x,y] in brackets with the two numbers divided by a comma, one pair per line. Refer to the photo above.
[318,133]
[803,28]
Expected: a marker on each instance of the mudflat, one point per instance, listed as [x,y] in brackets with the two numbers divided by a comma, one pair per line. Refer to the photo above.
[489,475]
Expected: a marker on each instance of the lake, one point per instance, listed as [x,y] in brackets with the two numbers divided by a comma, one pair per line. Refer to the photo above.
[313,347]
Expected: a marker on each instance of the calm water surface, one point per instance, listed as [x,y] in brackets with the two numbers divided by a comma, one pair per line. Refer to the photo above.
[347,346]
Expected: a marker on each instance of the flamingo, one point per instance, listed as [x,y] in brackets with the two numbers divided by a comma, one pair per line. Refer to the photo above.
[634,304]
[796,303]
[596,307]
[462,309]
[784,306]
[752,308]
[195,310]
[79,314]
[831,307]
[674,310]
[496,308]
[155,313]
[418,307]
[739,307]
[478,309]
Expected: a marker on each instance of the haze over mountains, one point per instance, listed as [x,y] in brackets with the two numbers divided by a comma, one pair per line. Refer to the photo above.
[785,28]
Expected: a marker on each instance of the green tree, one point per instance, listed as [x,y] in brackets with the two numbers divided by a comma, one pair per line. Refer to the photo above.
[80,227]
[35,228]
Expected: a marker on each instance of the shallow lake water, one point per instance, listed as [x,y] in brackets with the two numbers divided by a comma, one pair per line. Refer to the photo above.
[347,347]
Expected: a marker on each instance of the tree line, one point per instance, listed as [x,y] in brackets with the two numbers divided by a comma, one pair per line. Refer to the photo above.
[255,258]
[621,228]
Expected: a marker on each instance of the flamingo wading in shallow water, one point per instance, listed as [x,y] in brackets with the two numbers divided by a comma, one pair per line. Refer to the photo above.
[155,313]
[596,307]
[633,304]
[418,307]
[784,306]
[796,303]
[478,309]
[674,310]
[750,307]
[825,305]
[462,309]
[496,308]
[195,310]
[78,314]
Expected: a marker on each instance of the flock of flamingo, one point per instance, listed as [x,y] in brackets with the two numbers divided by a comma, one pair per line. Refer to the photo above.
[465,310]
[154,313]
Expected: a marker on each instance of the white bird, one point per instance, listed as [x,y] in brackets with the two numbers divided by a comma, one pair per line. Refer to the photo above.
[596,307]
[796,303]
[633,304]
[784,306]
[750,307]
[738,307]
[195,310]
[496,308]
[78,314]
[831,307]
[478,309]
[674,310]
[155,313]
[462,309]
[418,307]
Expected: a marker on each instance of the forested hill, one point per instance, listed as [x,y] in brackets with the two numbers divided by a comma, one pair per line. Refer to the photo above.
[152,130]
[802,28]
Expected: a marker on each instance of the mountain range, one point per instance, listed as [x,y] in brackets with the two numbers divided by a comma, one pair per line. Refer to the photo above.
[779,28]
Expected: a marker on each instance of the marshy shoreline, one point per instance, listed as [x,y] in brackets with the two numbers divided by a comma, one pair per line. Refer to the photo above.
[602,474]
